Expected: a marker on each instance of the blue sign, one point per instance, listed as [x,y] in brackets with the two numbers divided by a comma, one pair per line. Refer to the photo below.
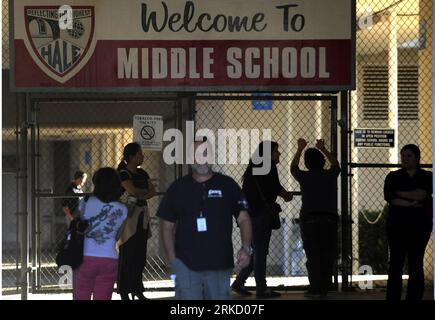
[261,104]
[88,157]
[423,34]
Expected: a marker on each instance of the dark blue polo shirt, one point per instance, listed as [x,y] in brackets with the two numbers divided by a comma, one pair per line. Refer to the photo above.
[219,199]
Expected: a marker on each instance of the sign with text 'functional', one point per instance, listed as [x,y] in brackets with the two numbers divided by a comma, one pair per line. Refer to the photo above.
[374,138]
[186,45]
[148,132]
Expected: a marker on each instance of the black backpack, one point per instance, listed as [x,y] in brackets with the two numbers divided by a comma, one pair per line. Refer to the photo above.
[70,251]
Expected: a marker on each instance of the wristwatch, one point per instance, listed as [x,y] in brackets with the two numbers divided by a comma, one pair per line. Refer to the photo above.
[248,249]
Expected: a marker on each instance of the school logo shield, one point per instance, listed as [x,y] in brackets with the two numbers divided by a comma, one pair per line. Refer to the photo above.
[60,52]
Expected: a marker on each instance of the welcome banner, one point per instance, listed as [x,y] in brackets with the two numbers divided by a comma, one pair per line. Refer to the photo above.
[197,45]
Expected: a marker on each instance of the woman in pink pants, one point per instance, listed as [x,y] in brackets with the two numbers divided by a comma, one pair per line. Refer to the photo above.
[97,274]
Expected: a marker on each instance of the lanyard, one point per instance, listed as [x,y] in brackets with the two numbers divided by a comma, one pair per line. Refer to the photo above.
[203,199]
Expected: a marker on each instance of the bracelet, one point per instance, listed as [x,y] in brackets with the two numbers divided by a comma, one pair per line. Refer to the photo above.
[248,249]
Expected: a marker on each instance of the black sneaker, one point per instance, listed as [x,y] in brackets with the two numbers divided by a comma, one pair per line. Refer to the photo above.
[241,290]
[268,293]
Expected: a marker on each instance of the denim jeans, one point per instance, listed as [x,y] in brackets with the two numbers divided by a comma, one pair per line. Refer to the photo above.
[200,285]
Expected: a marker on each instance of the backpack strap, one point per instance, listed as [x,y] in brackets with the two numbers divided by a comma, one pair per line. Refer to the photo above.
[128,172]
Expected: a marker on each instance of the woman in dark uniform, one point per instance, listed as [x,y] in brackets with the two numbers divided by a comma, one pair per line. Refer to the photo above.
[133,240]
[408,192]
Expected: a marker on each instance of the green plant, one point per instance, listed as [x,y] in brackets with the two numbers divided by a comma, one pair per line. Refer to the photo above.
[372,238]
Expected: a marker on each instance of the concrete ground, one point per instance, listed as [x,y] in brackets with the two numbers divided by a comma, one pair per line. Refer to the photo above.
[375,294]
[291,289]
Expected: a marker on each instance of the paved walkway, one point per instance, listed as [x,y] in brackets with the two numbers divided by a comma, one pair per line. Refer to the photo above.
[376,294]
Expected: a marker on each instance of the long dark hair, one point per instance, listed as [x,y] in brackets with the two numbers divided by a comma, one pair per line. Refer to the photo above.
[273,147]
[415,150]
[129,150]
[107,185]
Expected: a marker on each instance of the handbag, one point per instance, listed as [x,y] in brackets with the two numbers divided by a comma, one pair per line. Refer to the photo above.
[130,224]
[70,251]
[271,210]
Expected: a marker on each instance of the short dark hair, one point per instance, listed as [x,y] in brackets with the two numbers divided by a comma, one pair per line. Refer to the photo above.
[107,184]
[78,174]
[414,149]
[314,159]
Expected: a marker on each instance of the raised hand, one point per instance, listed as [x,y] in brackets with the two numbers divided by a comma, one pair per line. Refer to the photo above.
[320,144]
[302,143]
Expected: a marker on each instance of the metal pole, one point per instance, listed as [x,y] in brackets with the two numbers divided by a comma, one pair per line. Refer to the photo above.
[22,203]
[334,137]
[433,141]
[32,181]
[38,208]
[345,221]
[177,105]
[185,106]
[17,194]
[334,127]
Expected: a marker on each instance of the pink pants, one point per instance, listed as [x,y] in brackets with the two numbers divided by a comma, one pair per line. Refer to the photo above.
[95,276]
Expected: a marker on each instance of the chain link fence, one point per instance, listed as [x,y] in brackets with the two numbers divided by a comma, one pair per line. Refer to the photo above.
[10,252]
[69,136]
[288,118]
[90,133]
[394,88]
[5,34]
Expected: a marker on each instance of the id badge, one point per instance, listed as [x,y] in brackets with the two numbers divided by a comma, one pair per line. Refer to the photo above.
[201,224]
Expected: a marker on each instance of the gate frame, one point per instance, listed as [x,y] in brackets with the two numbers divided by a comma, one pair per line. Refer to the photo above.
[181,101]
[31,275]
[344,137]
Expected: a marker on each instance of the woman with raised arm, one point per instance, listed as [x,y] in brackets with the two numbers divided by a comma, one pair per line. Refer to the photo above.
[319,215]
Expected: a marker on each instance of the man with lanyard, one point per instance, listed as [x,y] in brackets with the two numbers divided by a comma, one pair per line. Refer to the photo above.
[201,207]
[70,205]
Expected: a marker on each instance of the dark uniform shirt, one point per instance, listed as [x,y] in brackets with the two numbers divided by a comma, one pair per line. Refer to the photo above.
[219,199]
[72,203]
[261,187]
[318,188]
[139,180]
[400,180]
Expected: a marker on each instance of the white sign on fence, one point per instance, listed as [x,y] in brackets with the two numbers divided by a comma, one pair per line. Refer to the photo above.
[148,131]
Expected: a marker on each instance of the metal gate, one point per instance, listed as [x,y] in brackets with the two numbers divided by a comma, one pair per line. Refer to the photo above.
[66,134]
[85,134]
[289,117]
[63,133]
